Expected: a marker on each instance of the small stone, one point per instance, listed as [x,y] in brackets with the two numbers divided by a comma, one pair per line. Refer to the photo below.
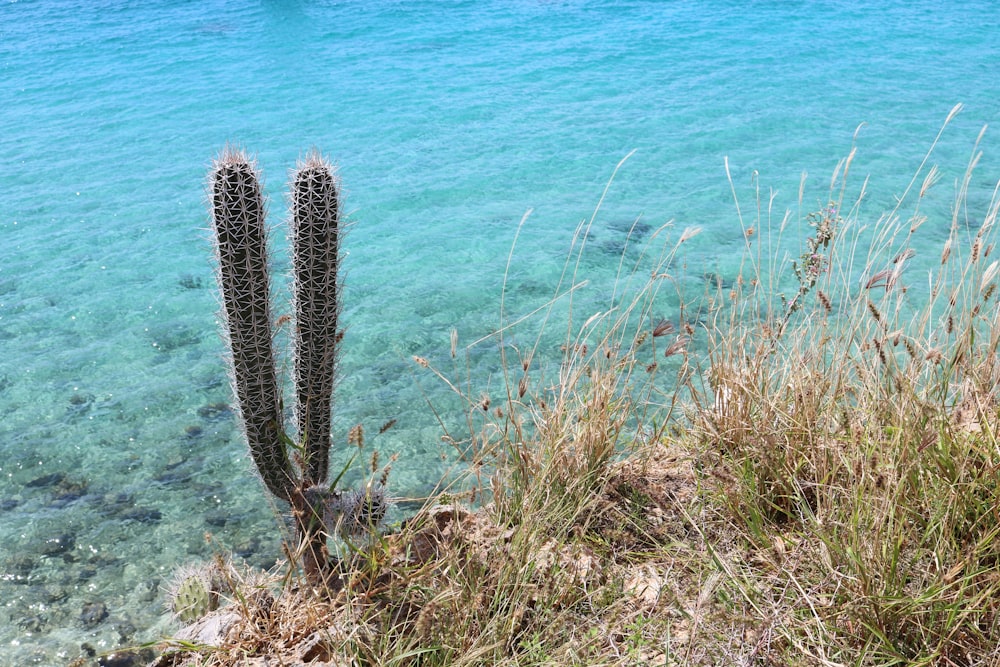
[142,515]
[125,631]
[93,613]
[319,646]
[172,477]
[217,519]
[80,399]
[188,281]
[132,658]
[68,491]
[54,594]
[60,544]
[214,411]
[9,504]
[21,566]
[46,480]
[32,624]
[248,549]
[148,590]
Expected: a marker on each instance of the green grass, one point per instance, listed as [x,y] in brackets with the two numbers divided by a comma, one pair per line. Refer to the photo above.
[808,479]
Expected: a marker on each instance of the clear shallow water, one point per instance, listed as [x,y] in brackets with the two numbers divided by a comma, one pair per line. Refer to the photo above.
[449,121]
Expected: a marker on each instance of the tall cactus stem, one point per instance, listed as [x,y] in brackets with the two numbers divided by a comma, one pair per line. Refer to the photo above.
[238,213]
[315,241]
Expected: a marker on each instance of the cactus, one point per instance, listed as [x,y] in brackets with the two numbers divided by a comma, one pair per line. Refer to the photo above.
[195,592]
[315,246]
[238,212]
[359,512]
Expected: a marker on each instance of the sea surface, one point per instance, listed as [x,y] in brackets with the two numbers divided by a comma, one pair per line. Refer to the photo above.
[450,121]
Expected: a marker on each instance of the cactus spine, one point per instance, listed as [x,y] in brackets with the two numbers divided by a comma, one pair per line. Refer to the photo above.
[238,213]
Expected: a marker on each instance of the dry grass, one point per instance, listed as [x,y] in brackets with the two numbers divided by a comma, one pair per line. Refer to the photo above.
[818,483]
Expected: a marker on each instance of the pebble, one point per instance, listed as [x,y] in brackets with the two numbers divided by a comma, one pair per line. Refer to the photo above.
[32,623]
[142,515]
[93,613]
[21,566]
[68,491]
[58,545]
[54,594]
[46,480]
[172,477]
[116,503]
[80,399]
[130,658]
[125,631]
[216,519]
[148,590]
[214,411]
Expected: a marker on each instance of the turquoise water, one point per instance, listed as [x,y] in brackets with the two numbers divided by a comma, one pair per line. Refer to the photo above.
[448,121]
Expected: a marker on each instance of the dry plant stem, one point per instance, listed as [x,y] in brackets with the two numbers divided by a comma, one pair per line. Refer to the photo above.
[238,213]
[313,553]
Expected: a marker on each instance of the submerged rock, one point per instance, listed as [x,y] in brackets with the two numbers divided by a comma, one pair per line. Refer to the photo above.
[58,545]
[21,567]
[142,515]
[214,411]
[169,477]
[218,518]
[46,480]
[68,491]
[114,504]
[125,629]
[33,624]
[127,658]
[148,590]
[93,613]
[188,281]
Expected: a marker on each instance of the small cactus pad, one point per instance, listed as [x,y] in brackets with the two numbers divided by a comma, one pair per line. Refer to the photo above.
[193,597]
